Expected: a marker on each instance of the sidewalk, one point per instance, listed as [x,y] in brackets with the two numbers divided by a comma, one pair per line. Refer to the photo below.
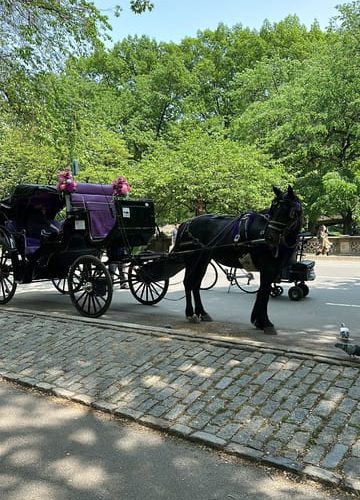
[291,410]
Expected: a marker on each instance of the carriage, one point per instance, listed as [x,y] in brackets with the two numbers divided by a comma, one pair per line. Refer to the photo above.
[99,233]
[79,241]
[298,271]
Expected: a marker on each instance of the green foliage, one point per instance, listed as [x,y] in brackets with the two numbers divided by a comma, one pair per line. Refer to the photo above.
[23,160]
[139,6]
[339,196]
[206,172]
[310,121]
[102,155]
[43,32]
[209,123]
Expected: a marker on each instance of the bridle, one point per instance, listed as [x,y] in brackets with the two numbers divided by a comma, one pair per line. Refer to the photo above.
[284,228]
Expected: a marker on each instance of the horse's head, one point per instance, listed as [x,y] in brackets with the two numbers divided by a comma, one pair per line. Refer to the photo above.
[285,216]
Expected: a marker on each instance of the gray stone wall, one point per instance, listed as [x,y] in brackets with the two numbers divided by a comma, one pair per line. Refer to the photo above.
[341,245]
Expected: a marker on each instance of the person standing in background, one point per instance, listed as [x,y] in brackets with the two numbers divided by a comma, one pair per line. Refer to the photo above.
[324,244]
[174,234]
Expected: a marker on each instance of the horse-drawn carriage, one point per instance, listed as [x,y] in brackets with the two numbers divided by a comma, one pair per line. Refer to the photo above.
[100,233]
[297,271]
[81,252]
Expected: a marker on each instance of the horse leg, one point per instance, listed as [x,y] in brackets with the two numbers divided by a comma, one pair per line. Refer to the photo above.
[189,310]
[192,281]
[199,308]
[259,315]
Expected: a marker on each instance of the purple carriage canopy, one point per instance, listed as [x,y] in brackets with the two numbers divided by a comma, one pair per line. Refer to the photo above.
[26,196]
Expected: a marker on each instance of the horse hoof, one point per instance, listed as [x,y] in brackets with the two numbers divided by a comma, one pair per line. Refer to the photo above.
[193,319]
[206,317]
[270,330]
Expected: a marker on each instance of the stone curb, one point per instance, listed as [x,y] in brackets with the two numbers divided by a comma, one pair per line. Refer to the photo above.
[217,340]
[183,431]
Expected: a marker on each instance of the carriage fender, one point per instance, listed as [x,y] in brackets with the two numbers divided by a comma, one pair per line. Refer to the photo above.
[7,239]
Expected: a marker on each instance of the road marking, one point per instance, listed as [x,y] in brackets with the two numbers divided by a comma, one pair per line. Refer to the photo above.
[342,305]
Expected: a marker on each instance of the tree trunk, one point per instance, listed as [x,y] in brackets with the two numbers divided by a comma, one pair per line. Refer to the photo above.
[200,207]
[348,223]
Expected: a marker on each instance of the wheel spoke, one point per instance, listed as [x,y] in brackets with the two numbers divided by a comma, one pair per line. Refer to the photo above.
[143,289]
[7,281]
[90,286]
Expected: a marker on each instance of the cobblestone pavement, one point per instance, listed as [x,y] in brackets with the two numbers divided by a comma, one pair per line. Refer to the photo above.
[298,412]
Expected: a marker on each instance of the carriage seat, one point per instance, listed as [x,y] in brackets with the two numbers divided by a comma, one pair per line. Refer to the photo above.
[31,243]
[97,201]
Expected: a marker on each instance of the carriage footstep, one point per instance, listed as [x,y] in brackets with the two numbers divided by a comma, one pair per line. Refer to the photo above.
[193,319]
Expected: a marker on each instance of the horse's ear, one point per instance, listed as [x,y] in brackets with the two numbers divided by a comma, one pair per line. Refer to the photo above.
[290,191]
[277,191]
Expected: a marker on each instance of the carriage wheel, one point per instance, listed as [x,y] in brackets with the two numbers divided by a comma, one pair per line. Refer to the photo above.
[143,289]
[247,281]
[61,285]
[295,293]
[90,286]
[304,288]
[7,281]
[276,291]
[210,278]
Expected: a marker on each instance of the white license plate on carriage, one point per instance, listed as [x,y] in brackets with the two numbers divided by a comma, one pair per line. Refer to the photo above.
[126,212]
[79,225]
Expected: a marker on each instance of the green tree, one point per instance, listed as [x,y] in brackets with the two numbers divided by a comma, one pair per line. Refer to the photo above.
[311,122]
[206,173]
[22,159]
[44,32]
[339,196]
[151,87]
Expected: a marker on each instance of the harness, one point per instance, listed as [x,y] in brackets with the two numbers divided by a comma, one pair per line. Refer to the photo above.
[242,229]
[240,233]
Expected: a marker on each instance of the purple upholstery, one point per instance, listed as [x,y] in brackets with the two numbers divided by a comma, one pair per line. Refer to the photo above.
[31,245]
[97,200]
[101,189]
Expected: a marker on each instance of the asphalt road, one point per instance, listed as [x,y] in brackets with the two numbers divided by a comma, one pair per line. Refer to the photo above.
[312,323]
[52,451]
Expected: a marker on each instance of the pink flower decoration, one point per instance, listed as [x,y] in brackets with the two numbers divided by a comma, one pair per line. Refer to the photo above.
[121,187]
[66,182]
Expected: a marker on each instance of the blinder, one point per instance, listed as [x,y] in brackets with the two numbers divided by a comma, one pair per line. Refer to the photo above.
[276,229]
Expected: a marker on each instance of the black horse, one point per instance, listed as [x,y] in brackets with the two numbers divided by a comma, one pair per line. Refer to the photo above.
[268,237]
